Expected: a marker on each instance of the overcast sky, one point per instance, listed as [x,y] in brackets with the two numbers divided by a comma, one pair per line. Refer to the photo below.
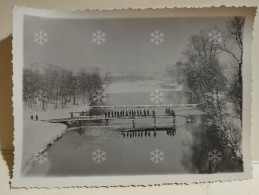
[127,46]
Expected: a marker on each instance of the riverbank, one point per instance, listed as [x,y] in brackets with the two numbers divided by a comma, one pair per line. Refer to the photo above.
[39,134]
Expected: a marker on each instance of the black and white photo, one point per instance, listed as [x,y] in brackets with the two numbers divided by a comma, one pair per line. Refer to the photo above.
[108,96]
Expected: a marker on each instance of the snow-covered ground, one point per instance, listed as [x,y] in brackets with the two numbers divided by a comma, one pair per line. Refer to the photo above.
[38,134]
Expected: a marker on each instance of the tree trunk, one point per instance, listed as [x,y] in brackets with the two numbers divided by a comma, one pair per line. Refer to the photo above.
[241,89]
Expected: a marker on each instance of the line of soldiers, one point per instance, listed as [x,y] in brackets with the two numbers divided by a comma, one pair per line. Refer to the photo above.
[130,113]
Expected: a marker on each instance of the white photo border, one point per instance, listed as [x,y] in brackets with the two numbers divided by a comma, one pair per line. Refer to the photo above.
[19,181]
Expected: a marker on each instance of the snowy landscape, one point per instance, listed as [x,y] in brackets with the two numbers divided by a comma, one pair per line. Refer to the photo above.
[181,113]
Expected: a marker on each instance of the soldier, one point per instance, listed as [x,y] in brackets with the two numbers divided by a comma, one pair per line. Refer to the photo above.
[172,113]
[137,113]
[105,115]
[140,112]
[127,113]
[37,117]
[153,113]
[148,112]
[31,117]
[130,113]
[145,113]
[109,114]
[71,114]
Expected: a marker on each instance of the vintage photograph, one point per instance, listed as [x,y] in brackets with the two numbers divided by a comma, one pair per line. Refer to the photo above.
[131,95]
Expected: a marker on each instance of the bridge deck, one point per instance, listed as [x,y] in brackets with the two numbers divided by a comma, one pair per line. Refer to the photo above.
[102,117]
[147,106]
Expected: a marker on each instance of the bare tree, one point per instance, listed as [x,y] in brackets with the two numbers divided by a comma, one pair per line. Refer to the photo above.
[234,38]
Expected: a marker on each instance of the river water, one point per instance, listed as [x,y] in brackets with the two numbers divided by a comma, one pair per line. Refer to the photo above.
[129,153]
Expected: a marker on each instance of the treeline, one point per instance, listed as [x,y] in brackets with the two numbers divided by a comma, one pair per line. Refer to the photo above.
[203,72]
[216,92]
[57,86]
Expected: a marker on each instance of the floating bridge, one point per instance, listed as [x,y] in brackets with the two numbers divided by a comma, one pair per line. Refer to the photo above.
[104,120]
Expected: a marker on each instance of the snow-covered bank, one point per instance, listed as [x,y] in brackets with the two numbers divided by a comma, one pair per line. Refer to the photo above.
[39,134]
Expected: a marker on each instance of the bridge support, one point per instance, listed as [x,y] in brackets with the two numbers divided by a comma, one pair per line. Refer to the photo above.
[133,123]
[154,123]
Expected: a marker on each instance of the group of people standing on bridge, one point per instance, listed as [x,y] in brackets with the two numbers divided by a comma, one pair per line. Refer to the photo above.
[170,112]
[36,117]
[129,113]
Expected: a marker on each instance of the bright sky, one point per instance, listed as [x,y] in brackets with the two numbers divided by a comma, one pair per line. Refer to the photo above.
[127,46]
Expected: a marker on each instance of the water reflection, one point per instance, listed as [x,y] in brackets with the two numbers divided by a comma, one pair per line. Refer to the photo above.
[143,133]
[208,155]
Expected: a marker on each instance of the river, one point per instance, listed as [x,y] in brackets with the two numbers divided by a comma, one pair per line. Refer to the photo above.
[184,150]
